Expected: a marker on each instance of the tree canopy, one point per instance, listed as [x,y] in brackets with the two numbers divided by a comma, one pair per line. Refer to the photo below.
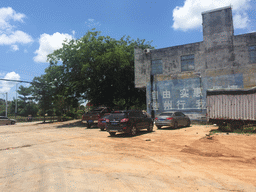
[97,68]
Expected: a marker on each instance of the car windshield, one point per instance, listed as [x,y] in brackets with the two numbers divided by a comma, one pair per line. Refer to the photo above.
[96,110]
[117,116]
[166,114]
[105,117]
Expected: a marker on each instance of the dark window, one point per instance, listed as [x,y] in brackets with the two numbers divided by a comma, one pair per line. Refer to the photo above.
[166,114]
[187,63]
[181,114]
[137,114]
[252,52]
[117,116]
[157,67]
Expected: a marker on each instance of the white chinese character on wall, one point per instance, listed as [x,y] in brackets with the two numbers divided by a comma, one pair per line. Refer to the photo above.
[232,86]
[166,94]
[200,104]
[155,106]
[181,103]
[167,105]
[155,95]
[217,87]
[197,92]
[184,93]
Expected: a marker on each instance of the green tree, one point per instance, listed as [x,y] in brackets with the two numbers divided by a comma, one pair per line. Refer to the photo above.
[99,69]
[42,91]
[25,104]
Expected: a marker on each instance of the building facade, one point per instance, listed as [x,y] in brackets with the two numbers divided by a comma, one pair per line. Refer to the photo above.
[176,78]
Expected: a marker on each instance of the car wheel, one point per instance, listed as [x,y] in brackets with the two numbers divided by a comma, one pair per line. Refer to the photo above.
[159,127]
[150,127]
[102,129]
[133,131]
[188,124]
[175,125]
[112,134]
[12,122]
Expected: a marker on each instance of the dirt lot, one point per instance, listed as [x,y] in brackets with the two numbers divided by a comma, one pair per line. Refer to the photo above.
[70,157]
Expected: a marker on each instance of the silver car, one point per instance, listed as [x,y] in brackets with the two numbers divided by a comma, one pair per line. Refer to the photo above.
[6,121]
[172,119]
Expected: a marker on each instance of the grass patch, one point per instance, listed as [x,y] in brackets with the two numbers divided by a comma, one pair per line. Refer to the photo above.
[251,129]
[214,131]
[41,118]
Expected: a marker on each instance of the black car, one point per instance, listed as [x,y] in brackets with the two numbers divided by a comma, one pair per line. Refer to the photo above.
[128,121]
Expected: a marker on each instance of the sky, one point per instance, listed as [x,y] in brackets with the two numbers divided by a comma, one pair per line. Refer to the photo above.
[32,29]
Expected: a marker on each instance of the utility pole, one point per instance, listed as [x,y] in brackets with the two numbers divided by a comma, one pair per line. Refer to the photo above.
[6,104]
[16,102]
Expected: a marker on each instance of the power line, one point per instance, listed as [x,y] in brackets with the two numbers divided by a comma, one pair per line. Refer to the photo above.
[16,81]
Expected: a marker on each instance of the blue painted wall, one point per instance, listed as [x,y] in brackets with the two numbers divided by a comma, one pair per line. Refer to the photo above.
[188,95]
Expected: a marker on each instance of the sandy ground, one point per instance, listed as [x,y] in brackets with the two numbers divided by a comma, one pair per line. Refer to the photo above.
[69,157]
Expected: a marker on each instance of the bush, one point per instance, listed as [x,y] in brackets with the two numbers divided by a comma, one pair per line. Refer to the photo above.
[65,117]
[225,128]
[79,114]
[237,128]
[249,129]
[71,114]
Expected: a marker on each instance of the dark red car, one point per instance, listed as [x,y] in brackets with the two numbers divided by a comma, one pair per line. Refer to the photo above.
[102,122]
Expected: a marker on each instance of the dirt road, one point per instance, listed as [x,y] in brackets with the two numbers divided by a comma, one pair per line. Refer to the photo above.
[70,157]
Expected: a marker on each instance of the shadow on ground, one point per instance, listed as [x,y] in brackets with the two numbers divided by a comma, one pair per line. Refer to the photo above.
[72,125]
[122,135]
[171,128]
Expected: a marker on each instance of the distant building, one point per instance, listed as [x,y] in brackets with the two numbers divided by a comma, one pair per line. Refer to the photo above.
[176,78]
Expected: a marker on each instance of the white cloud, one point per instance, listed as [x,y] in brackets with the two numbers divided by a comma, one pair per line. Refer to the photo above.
[241,21]
[15,37]
[15,47]
[5,86]
[189,15]
[91,23]
[8,34]
[7,14]
[49,43]
[73,33]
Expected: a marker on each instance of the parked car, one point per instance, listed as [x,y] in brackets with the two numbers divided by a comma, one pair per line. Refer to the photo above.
[6,121]
[128,121]
[94,115]
[102,122]
[172,119]
[29,119]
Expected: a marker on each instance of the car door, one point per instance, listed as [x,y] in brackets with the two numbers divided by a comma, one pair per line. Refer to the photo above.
[137,119]
[178,118]
[5,121]
[183,119]
[144,120]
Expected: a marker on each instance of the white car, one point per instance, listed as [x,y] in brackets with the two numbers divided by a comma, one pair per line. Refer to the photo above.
[6,121]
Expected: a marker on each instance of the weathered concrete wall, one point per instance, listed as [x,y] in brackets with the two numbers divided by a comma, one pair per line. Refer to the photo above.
[222,60]
[189,94]
[217,27]
[142,62]
[218,36]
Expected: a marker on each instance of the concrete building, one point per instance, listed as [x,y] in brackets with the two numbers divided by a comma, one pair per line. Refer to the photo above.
[176,78]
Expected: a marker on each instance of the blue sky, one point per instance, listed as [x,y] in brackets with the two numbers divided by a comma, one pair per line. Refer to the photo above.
[31,29]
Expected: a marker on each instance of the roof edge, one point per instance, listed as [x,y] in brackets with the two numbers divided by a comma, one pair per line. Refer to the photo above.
[218,9]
